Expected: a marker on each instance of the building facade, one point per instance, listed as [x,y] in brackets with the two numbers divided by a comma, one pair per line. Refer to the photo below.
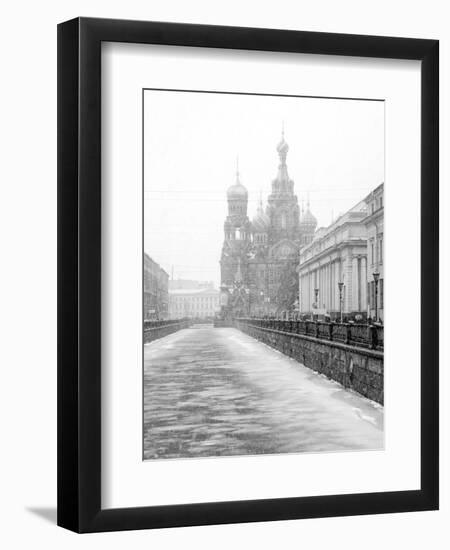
[259,257]
[200,303]
[156,290]
[374,223]
[338,254]
[185,284]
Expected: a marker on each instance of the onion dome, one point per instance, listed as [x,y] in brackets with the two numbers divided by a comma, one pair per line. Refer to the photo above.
[282,148]
[307,219]
[237,191]
[282,183]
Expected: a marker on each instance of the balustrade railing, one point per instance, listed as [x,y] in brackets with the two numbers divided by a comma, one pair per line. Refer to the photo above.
[359,335]
[150,324]
[157,329]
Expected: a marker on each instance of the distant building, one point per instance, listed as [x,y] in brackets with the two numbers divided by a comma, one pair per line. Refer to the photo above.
[259,257]
[185,284]
[338,253]
[193,303]
[374,223]
[156,291]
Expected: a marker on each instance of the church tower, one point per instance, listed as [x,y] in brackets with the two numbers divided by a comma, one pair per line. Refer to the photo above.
[283,209]
[260,258]
[237,234]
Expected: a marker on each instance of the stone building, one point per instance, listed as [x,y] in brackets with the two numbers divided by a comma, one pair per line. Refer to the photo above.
[337,254]
[374,223]
[259,257]
[201,302]
[185,284]
[156,294]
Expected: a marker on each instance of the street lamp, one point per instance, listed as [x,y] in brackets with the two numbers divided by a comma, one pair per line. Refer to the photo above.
[316,299]
[376,276]
[316,293]
[249,298]
[341,286]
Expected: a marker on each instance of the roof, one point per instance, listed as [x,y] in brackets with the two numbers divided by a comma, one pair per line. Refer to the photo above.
[193,292]
[237,190]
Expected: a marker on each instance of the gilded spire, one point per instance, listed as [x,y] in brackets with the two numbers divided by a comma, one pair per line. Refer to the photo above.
[282,147]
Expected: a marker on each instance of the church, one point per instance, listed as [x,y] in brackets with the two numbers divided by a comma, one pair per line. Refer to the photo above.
[260,256]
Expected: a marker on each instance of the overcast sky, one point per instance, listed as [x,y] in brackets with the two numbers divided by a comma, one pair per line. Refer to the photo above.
[191,141]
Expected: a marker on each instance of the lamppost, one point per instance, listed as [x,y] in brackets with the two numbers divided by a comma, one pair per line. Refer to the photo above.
[249,301]
[341,286]
[316,293]
[261,307]
[296,307]
[376,276]
[315,305]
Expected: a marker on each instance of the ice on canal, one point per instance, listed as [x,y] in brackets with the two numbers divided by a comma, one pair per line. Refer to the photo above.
[219,392]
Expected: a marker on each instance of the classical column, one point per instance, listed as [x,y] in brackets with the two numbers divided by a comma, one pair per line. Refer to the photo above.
[330,286]
[348,280]
[364,283]
[355,283]
[327,281]
[333,285]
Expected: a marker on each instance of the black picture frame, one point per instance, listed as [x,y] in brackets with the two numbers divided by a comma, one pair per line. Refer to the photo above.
[79,274]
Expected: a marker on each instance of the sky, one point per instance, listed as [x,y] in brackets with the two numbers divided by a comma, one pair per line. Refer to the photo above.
[191,144]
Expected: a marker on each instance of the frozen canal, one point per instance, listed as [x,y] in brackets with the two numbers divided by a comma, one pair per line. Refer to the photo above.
[216,391]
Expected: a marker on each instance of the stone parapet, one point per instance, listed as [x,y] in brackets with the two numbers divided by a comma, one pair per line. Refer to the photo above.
[355,367]
[157,329]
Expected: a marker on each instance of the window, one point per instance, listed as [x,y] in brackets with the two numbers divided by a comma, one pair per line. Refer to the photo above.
[380,251]
[372,257]
[381,292]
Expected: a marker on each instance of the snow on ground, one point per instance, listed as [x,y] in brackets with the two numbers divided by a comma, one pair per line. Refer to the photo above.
[217,391]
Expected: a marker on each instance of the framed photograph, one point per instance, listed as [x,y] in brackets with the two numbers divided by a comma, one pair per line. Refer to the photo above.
[247,275]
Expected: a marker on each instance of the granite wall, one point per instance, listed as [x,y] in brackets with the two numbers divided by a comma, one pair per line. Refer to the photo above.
[155,332]
[358,368]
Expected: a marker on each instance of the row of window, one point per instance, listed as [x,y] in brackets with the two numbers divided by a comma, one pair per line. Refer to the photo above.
[376,251]
[237,234]
[237,208]
[376,204]
[200,300]
[260,238]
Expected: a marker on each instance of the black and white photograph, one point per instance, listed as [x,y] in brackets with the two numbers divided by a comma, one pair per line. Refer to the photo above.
[263,274]
[201,204]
